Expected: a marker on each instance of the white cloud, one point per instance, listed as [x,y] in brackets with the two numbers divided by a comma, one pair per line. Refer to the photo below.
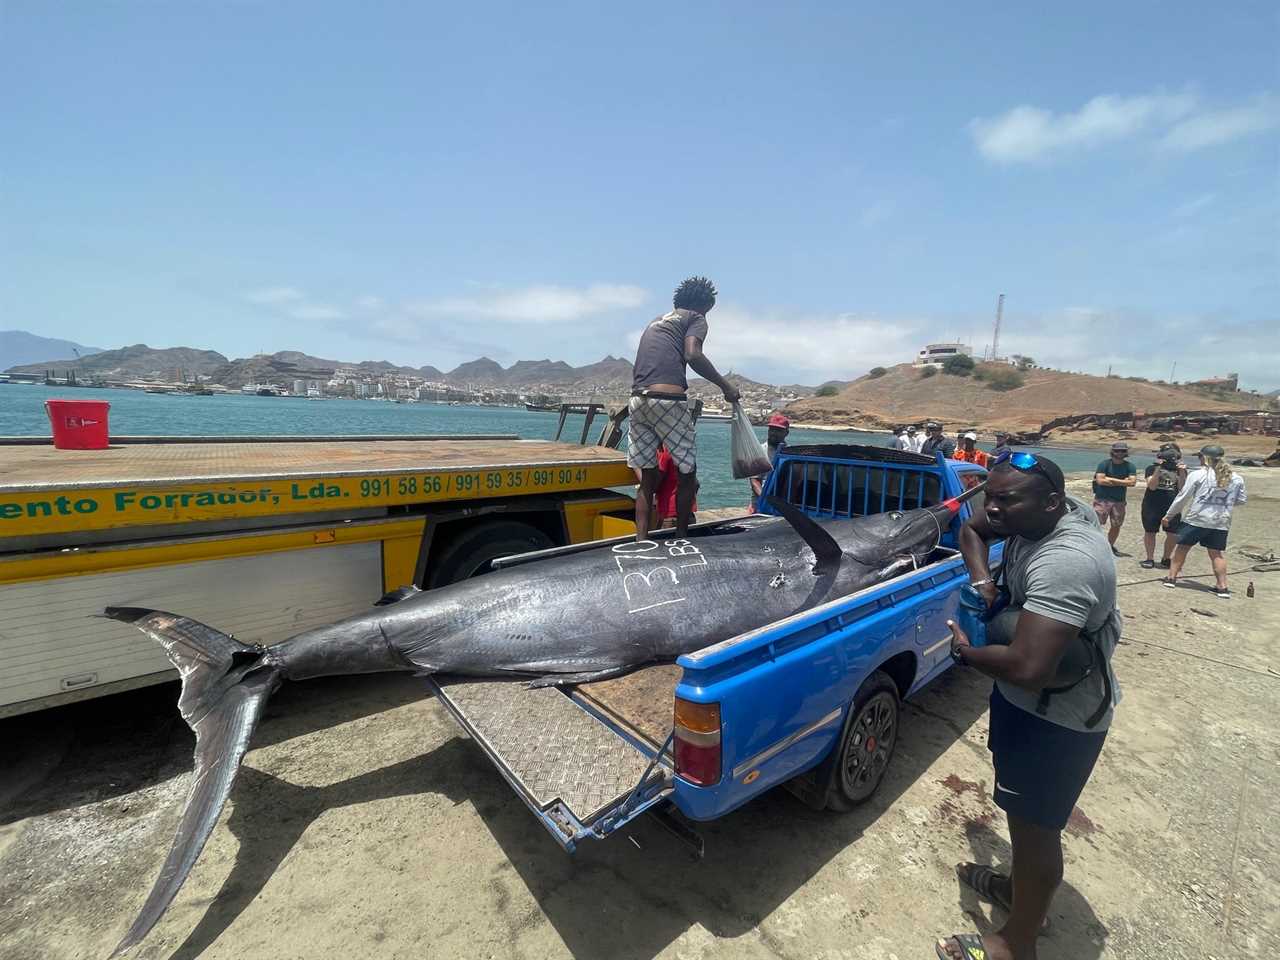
[370,302]
[1028,133]
[786,346]
[537,304]
[315,311]
[799,347]
[1213,127]
[1194,205]
[275,295]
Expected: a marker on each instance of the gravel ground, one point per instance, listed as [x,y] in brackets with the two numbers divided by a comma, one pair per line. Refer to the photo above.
[364,825]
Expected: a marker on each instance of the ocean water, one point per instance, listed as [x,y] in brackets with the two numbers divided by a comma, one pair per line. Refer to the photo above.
[133,412]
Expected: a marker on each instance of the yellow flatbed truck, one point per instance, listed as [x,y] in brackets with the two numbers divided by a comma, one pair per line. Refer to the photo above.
[260,537]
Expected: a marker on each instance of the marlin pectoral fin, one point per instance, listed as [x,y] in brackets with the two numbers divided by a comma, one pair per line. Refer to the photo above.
[569,679]
[826,551]
[395,596]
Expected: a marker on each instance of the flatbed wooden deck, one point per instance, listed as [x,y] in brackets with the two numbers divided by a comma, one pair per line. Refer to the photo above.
[47,491]
[29,468]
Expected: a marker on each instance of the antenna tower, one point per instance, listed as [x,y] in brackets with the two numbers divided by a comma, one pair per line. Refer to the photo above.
[995,335]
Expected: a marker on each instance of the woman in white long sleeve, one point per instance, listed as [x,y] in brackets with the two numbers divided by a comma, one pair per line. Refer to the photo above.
[1205,502]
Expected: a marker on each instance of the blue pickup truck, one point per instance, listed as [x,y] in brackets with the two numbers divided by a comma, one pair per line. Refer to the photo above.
[810,701]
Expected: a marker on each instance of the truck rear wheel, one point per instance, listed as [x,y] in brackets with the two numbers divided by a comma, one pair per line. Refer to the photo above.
[870,735]
[470,553]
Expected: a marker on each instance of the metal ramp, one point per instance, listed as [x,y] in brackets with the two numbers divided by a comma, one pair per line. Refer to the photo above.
[578,775]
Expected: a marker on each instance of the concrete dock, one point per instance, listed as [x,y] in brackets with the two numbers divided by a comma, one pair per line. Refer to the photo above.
[363,825]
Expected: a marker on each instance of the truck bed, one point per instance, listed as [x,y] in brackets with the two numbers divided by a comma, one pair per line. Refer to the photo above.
[29,468]
[640,702]
[47,493]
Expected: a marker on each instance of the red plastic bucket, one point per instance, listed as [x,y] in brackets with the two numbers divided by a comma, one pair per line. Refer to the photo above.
[79,424]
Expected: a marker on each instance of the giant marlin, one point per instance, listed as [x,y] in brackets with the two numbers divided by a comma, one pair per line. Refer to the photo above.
[580,615]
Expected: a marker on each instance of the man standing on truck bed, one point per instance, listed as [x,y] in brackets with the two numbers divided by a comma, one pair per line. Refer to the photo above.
[659,409]
[1054,692]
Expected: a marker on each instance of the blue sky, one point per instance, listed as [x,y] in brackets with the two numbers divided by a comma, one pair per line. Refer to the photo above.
[430,183]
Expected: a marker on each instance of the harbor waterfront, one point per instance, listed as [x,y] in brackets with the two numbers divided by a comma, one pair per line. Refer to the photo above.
[135,413]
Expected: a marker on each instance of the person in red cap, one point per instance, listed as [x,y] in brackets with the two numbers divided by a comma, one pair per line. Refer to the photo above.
[779,427]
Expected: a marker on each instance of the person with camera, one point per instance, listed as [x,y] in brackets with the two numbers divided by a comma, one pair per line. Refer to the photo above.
[1165,478]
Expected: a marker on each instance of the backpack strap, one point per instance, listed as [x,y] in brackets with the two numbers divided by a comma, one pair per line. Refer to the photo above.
[1098,661]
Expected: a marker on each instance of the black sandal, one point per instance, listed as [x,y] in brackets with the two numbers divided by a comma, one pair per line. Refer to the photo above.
[970,945]
[1147,564]
[981,879]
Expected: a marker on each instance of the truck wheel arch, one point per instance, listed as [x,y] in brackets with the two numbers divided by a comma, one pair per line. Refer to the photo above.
[465,550]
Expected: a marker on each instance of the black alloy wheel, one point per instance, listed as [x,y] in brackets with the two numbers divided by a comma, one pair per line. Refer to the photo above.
[868,744]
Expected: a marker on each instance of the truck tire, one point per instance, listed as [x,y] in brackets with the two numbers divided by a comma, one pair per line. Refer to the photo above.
[470,553]
[870,734]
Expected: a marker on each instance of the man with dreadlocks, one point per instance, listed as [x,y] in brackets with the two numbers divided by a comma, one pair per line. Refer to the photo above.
[659,409]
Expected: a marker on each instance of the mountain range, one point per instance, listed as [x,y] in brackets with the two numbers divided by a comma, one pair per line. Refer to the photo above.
[19,347]
[140,362]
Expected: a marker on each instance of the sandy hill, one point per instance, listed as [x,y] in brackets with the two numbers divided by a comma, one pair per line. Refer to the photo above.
[138,360]
[902,396]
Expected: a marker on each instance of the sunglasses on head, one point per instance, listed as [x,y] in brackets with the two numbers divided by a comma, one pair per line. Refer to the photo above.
[1024,463]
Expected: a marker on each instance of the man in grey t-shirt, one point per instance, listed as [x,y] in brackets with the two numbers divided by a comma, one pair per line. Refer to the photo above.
[1054,690]
[659,410]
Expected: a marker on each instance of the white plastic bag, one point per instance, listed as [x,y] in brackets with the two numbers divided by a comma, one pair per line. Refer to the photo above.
[750,459]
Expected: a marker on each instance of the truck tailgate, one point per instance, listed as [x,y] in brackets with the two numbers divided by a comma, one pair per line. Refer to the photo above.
[577,775]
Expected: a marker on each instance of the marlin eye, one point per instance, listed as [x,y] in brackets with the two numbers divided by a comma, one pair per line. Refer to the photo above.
[896,515]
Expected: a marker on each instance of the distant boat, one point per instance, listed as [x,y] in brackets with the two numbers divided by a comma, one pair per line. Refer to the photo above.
[714,416]
[540,407]
[163,390]
[269,392]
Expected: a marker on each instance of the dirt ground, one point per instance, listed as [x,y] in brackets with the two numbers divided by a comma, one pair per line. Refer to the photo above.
[1235,445]
[364,825]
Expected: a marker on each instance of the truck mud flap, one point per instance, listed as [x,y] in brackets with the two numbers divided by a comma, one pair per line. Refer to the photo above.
[580,778]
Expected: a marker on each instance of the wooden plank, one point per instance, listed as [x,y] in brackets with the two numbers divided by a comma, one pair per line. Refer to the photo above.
[43,467]
[643,701]
[45,491]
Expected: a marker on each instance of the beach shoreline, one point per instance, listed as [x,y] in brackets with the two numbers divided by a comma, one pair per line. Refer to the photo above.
[1252,445]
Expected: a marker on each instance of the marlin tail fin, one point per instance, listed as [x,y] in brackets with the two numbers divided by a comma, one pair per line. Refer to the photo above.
[225,685]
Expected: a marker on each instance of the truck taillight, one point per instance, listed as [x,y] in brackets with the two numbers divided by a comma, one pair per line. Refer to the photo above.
[697,742]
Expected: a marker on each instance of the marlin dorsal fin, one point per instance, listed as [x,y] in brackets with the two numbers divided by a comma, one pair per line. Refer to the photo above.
[826,551]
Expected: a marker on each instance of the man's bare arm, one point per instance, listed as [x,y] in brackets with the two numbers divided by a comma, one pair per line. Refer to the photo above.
[975,539]
[703,367]
[1031,659]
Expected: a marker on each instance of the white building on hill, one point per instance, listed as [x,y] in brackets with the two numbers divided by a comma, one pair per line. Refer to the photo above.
[936,354]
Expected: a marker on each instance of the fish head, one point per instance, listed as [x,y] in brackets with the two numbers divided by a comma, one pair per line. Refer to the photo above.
[884,536]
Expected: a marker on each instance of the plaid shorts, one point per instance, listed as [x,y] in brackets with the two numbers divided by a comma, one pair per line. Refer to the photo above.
[652,423]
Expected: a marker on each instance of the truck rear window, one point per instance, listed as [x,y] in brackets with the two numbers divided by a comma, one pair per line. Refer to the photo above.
[851,490]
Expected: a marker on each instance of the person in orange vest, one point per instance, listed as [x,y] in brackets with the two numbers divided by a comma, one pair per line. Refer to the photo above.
[969,451]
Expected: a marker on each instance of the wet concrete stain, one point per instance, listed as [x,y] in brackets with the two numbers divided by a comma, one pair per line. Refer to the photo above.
[1078,825]
[952,809]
